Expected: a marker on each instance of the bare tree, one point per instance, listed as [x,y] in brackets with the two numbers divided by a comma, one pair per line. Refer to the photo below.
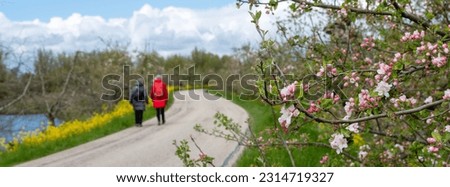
[53,105]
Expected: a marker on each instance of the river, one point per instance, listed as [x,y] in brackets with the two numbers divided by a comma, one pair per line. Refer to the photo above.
[11,125]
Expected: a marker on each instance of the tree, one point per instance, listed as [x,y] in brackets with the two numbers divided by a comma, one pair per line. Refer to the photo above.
[375,72]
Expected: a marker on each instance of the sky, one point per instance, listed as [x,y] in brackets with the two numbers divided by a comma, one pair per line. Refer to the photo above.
[166,26]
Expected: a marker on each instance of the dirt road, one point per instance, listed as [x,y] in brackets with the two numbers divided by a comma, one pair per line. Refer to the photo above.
[151,145]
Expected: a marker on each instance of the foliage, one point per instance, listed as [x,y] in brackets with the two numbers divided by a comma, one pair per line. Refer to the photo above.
[183,152]
[374,73]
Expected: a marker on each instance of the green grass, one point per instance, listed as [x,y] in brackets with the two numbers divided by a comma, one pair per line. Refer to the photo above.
[24,154]
[262,119]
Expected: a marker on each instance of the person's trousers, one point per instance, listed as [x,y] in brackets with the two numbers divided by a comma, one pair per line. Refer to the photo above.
[160,115]
[138,114]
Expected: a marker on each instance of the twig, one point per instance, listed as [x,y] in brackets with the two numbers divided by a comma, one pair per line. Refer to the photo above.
[201,151]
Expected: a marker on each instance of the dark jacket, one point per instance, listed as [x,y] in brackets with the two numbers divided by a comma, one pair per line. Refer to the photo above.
[139,97]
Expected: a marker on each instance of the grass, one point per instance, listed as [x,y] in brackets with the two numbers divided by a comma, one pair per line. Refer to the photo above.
[262,119]
[23,153]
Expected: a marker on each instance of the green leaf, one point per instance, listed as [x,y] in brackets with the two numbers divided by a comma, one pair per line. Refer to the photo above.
[300,92]
[437,136]
[293,7]
[398,66]
[326,104]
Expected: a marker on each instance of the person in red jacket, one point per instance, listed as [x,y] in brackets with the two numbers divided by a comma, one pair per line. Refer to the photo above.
[159,96]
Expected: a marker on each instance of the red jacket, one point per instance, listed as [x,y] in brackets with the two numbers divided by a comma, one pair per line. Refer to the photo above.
[159,94]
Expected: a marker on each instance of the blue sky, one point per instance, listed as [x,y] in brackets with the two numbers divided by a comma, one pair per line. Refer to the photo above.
[22,10]
[166,26]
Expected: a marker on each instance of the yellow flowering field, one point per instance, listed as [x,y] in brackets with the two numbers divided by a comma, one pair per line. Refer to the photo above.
[69,128]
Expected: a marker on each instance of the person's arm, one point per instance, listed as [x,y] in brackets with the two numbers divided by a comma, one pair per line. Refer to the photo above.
[132,95]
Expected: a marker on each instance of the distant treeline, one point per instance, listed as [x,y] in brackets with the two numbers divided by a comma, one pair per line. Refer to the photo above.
[70,86]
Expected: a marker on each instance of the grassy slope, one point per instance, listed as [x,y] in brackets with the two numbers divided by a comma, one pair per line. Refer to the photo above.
[24,154]
[261,118]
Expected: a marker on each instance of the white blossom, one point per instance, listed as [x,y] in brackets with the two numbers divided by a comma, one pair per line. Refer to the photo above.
[338,142]
[383,88]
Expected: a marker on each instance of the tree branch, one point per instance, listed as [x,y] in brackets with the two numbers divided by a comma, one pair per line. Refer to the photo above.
[20,96]
[383,115]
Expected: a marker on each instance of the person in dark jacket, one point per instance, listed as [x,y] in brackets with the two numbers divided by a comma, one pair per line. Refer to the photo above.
[159,96]
[139,99]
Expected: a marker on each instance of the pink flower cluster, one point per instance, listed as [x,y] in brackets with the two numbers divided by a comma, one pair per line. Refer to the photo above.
[439,61]
[288,91]
[397,57]
[349,108]
[352,79]
[416,35]
[433,148]
[403,99]
[332,95]
[433,51]
[368,43]
[366,101]
[384,72]
[330,71]
[313,108]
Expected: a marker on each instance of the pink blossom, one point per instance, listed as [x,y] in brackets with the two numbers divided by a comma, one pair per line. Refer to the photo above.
[368,60]
[362,155]
[354,127]
[338,142]
[288,91]
[286,116]
[312,108]
[431,140]
[429,99]
[445,47]
[324,159]
[447,128]
[439,61]
[412,100]
[433,149]
[321,72]
[416,35]
[446,95]
[368,43]
[402,98]
[349,107]
[384,69]
[383,88]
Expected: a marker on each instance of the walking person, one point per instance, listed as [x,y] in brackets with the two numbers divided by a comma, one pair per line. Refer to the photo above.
[139,100]
[159,96]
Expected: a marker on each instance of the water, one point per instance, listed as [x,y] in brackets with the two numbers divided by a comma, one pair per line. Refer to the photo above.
[11,125]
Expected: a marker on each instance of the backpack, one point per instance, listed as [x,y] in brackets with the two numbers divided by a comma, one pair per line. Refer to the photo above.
[139,94]
[158,89]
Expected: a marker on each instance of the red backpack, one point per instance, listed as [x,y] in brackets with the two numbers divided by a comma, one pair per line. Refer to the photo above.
[158,89]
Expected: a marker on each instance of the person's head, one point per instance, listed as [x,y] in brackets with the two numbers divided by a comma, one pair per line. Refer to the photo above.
[140,82]
[158,77]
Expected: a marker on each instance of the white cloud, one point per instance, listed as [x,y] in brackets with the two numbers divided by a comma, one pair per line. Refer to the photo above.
[171,30]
